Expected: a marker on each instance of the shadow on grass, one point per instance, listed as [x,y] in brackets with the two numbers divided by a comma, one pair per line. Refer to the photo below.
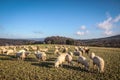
[51,59]
[28,59]
[44,64]
[7,57]
[75,68]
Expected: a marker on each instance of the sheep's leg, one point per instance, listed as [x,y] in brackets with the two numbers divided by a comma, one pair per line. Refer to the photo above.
[71,63]
[22,58]
[94,66]
[99,69]
[61,64]
[18,58]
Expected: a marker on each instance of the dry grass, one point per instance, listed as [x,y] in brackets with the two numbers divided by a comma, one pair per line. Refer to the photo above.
[31,69]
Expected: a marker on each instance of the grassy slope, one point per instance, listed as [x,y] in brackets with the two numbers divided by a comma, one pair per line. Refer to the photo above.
[30,69]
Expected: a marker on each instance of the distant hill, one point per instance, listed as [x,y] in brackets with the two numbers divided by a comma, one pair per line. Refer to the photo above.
[113,41]
[36,39]
[4,42]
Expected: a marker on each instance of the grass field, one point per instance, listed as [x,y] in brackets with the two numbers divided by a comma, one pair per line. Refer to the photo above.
[31,69]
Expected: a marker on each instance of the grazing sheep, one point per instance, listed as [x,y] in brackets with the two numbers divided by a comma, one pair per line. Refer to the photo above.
[10,51]
[62,58]
[44,50]
[40,55]
[70,53]
[81,49]
[27,53]
[77,53]
[21,54]
[56,52]
[98,61]
[86,50]
[83,61]
[76,49]
[65,50]
[34,48]
[68,58]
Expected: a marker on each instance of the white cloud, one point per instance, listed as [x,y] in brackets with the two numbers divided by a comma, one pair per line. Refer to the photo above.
[108,32]
[80,33]
[87,32]
[117,19]
[83,27]
[108,24]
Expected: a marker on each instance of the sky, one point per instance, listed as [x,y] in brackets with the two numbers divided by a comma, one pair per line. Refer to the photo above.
[78,19]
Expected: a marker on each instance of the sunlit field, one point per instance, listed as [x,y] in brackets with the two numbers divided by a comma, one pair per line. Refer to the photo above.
[31,69]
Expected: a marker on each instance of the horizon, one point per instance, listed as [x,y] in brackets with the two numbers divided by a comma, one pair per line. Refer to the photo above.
[75,19]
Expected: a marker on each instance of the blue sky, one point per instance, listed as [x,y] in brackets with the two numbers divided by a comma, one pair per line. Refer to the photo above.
[79,19]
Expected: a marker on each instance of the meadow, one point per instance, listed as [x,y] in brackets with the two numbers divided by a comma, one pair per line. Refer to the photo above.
[31,69]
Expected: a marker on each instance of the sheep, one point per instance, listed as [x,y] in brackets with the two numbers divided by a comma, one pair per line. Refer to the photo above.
[21,54]
[83,61]
[34,48]
[27,53]
[70,53]
[62,58]
[68,58]
[77,53]
[86,50]
[40,55]
[98,61]
[10,51]
[76,48]
[65,50]
[44,50]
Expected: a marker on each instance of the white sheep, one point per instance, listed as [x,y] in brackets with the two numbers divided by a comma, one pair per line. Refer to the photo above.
[10,51]
[76,48]
[21,54]
[83,61]
[40,55]
[65,49]
[68,58]
[44,50]
[86,50]
[70,53]
[98,61]
[62,58]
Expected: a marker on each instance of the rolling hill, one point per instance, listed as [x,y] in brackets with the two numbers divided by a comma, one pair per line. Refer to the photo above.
[113,41]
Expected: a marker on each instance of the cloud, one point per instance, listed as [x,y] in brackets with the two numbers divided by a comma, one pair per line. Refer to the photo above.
[117,19]
[83,27]
[108,24]
[108,32]
[82,31]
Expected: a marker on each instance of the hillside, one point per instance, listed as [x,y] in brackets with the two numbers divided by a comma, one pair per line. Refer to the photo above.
[4,42]
[113,41]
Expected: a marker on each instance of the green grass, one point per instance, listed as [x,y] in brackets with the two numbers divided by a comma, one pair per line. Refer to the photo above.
[31,69]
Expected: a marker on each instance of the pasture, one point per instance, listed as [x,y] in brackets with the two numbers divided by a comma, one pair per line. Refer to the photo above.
[31,69]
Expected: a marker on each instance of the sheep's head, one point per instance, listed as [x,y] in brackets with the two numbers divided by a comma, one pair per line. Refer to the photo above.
[92,55]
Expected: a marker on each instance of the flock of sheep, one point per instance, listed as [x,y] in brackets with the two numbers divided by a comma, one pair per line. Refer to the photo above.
[62,53]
